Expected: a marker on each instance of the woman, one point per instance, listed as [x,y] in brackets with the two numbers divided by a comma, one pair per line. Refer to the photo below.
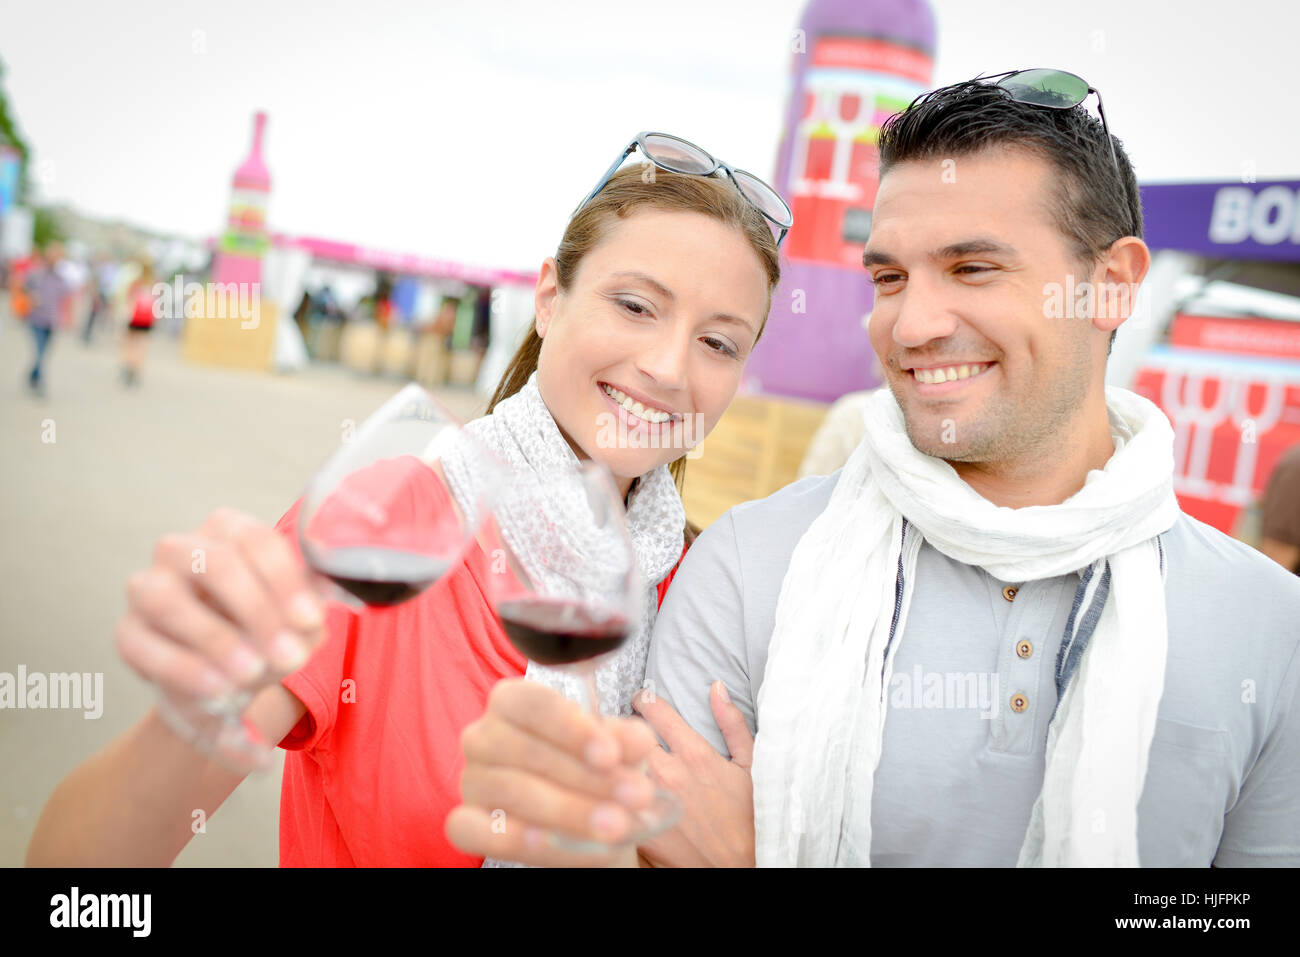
[655,298]
[140,301]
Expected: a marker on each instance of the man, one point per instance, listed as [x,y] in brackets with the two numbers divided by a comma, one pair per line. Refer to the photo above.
[992,638]
[49,293]
[1280,512]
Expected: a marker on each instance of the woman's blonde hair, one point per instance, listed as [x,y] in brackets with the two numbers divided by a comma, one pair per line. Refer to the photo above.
[632,188]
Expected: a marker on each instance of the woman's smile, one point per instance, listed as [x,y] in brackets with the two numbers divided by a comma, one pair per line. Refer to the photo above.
[632,422]
[640,406]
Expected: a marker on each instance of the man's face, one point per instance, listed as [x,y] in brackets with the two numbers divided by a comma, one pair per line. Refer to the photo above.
[960,255]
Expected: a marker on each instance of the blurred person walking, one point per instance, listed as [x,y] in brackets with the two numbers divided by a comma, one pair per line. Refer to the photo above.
[1280,512]
[99,286]
[140,299]
[48,293]
[16,271]
[302,315]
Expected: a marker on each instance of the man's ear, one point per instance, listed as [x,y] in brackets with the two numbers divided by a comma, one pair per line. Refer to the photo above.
[1121,273]
[545,296]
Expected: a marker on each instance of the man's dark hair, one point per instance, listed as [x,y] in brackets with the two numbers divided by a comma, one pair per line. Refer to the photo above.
[1094,205]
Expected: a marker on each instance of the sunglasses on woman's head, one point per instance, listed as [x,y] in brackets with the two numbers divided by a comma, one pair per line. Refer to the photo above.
[1054,89]
[680,156]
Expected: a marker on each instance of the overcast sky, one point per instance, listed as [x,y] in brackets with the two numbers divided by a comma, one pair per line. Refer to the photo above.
[469,130]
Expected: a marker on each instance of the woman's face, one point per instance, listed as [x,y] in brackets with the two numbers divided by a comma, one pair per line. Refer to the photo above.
[663,312]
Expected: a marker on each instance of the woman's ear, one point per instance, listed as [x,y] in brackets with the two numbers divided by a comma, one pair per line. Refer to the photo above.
[545,296]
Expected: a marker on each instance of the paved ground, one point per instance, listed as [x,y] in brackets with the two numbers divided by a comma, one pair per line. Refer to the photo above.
[90,477]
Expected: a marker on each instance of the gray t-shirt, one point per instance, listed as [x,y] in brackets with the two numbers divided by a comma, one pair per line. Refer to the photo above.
[974,690]
[48,290]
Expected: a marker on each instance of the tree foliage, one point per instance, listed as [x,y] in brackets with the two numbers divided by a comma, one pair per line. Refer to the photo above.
[10,134]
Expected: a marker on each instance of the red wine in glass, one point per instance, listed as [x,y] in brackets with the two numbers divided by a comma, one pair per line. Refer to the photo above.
[380,519]
[566,586]
[379,576]
[553,632]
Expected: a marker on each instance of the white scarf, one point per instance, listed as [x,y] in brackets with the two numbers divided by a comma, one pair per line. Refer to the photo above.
[523,434]
[821,709]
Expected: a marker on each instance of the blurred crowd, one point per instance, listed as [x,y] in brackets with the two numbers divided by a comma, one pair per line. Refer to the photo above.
[90,296]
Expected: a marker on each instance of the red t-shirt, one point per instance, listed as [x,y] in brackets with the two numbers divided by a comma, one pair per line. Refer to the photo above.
[374,766]
[142,314]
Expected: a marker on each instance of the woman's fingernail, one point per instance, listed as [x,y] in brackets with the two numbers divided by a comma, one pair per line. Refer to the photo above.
[632,794]
[305,612]
[599,754]
[722,693]
[288,652]
[245,664]
[215,684]
[606,819]
[534,838]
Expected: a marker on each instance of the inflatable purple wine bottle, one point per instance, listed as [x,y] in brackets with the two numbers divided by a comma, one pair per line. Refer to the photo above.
[855,62]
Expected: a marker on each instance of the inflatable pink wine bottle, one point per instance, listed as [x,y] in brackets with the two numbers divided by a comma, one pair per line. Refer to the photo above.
[855,63]
[245,240]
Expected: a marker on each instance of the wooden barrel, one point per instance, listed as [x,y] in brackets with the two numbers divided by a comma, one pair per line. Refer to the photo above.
[464,367]
[359,347]
[398,354]
[432,361]
[324,343]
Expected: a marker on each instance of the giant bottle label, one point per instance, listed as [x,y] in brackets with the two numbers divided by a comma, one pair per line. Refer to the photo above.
[852,85]
[246,232]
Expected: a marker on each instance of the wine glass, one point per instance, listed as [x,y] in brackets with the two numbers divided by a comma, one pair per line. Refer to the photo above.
[379,523]
[565,584]
[380,519]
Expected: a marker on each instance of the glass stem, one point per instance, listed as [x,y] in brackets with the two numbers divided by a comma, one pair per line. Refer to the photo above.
[590,692]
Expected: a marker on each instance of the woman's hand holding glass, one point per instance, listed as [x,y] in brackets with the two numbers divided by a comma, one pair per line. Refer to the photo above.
[538,765]
[219,612]
[567,588]
[232,608]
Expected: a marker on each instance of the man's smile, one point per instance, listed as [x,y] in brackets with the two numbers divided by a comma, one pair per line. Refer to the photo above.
[948,378]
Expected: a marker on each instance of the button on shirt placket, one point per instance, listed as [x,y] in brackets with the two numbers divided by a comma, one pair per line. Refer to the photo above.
[1024,681]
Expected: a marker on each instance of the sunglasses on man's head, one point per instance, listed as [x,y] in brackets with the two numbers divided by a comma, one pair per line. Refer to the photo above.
[1054,89]
[680,156]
